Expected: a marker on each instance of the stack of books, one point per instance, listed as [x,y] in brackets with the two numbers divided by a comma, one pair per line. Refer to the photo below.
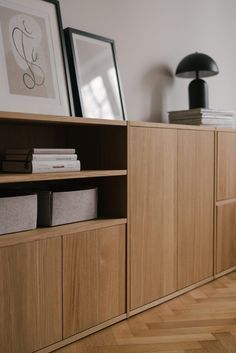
[200,116]
[41,160]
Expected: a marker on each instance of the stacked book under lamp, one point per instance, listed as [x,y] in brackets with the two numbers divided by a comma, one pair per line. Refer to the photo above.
[201,116]
[41,160]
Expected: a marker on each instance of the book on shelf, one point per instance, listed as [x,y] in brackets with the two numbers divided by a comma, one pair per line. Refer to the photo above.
[201,112]
[29,151]
[199,123]
[204,121]
[200,116]
[40,166]
[41,157]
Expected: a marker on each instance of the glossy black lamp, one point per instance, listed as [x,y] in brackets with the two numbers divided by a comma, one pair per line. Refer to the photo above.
[195,66]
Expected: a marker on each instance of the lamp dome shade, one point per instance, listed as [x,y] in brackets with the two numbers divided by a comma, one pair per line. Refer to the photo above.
[197,64]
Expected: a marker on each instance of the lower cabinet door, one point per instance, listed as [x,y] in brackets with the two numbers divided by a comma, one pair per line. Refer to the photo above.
[226,237]
[93,278]
[30,292]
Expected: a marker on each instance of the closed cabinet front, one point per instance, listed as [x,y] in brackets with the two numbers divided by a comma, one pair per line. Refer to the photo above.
[226,237]
[171,193]
[226,165]
[195,206]
[152,214]
[94,278]
[226,201]
[30,292]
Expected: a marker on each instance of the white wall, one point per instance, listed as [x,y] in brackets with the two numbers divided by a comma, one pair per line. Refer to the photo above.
[151,37]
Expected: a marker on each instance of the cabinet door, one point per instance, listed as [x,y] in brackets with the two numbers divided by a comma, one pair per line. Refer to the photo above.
[226,237]
[94,278]
[226,165]
[30,292]
[152,213]
[195,206]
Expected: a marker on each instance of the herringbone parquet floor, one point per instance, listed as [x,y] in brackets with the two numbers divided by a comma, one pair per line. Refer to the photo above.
[202,321]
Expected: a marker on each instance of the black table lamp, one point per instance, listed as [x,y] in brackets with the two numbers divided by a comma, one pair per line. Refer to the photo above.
[195,66]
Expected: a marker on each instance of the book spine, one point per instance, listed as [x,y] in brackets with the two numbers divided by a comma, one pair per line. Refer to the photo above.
[53,151]
[54,157]
[41,151]
[47,167]
[41,157]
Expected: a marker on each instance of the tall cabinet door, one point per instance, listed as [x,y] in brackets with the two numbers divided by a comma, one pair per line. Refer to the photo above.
[30,292]
[226,202]
[152,213]
[195,206]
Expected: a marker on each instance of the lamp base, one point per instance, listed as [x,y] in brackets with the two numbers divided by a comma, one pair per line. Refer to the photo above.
[198,94]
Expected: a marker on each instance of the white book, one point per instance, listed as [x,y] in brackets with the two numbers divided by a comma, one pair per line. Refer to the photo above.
[41,157]
[41,151]
[204,116]
[40,166]
[201,112]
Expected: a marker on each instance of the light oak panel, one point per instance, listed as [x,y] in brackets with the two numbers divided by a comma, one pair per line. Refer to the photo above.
[94,278]
[27,177]
[195,206]
[13,117]
[152,214]
[226,165]
[58,231]
[30,292]
[226,237]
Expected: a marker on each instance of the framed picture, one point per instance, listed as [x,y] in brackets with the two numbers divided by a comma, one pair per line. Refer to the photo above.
[94,75]
[32,58]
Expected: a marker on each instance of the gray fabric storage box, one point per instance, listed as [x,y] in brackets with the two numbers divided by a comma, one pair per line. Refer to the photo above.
[18,213]
[55,208]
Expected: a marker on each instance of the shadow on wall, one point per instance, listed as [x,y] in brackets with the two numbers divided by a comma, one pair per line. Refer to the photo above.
[156,81]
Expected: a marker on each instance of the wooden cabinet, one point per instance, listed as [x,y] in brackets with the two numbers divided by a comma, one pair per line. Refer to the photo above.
[94,279]
[195,206]
[226,237]
[59,281]
[152,213]
[30,296]
[60,284]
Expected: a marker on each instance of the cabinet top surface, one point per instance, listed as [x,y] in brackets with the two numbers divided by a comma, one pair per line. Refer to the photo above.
[53,119]
[171,126]
[15,117]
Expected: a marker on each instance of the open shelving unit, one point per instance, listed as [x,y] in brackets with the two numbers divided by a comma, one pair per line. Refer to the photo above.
[41,263]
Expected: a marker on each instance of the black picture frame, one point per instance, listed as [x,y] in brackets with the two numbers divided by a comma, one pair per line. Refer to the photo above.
[48,89]
[75,76]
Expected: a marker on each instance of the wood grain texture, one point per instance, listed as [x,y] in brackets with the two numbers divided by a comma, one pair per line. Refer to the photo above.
[58,231]
[226,165]
[195,206]
[226,237]
[53,119]
[30,292]
[169,126]
[201,321]
[94,278]
[152,214]
[20,178]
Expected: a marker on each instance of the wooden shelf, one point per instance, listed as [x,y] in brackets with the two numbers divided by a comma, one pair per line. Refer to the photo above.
[170,126]
[52,232]
[20,178]
[51,119]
